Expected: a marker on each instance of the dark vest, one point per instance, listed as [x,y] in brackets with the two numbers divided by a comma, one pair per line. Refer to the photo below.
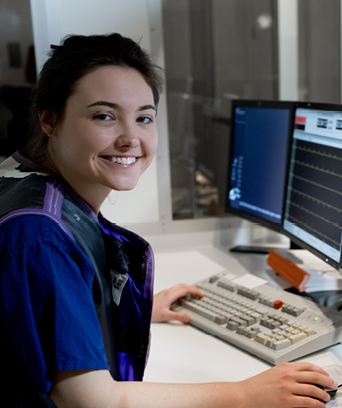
[123,262]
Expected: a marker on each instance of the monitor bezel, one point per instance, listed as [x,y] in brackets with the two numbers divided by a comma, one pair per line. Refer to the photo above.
[297,241]
[257,104]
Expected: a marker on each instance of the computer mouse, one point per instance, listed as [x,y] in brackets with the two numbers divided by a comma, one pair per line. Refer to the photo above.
[331,392]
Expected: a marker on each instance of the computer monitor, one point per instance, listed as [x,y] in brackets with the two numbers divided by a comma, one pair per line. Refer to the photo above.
[259,148]
[312,210]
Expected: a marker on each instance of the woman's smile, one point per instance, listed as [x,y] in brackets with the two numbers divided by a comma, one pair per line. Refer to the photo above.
[123,160]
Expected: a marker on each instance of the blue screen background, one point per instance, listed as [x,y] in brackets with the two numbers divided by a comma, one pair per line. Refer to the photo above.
[259,157]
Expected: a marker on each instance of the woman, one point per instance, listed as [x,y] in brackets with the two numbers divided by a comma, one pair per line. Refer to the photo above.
[76,290]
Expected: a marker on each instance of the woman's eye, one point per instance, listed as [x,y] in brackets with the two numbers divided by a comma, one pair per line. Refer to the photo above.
[144,119]
[102,117]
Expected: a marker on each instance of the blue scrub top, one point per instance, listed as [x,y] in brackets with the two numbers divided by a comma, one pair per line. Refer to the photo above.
[46,303]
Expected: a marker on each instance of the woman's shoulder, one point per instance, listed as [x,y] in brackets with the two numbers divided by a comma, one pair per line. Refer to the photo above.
[38,230]
[37,242]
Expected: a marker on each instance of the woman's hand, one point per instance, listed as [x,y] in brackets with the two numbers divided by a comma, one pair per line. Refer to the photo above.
[162,301]
[288,385]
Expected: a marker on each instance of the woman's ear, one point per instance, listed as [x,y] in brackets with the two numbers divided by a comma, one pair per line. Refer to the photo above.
[48,121]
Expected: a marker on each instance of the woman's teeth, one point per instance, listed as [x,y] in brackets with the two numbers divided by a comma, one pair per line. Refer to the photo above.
[123,160]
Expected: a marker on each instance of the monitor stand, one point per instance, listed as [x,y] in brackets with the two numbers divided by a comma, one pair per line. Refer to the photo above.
[259,249]
[251,249]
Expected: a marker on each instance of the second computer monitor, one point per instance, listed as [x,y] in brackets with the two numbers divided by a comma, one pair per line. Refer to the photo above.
[313,210]
[260,134]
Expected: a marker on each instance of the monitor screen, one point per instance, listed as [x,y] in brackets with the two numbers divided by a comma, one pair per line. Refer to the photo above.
[313,211]
[260,135]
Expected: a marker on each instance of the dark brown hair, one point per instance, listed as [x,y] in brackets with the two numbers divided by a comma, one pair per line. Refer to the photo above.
[77,56]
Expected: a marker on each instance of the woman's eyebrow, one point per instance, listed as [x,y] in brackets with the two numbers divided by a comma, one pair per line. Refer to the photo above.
[145,107]
[116,106]
[104,103]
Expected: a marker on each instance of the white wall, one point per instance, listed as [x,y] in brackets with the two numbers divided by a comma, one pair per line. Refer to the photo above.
[52,20]
[288,49]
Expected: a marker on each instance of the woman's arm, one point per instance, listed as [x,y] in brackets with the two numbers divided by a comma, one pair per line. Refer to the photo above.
[287,385]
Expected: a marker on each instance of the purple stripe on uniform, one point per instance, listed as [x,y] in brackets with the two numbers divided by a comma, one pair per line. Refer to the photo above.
[49,196]
[53,199]
[59,202]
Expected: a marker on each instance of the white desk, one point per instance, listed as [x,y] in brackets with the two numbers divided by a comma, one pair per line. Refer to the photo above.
[182,353]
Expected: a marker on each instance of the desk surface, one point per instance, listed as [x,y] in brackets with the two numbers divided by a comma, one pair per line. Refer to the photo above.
[184,354]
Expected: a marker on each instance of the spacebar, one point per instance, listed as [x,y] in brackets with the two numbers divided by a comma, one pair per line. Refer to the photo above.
[208,314]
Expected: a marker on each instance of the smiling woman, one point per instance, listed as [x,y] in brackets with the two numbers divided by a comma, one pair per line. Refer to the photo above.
[76,291]
[108,135]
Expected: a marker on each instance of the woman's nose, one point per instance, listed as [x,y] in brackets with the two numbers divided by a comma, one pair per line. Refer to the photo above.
[127,136]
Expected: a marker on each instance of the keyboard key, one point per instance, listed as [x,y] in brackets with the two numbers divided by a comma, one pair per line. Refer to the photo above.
[251,332]
[269,323]
[275,325]
[281,344]
[254,295]
[261,338]
[248,319]
[261,310]
[283,320]
[277,304]
[297,337]
[292,310]
[278,337]
[297,312]
[270,342]
[241,330]
[266,301]
[309,331]
[257,316]
[240,322]
[232,325]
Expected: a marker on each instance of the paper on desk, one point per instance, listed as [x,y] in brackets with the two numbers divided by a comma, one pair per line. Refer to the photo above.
[322,282]
[322,358]
[249,281]
[322,276]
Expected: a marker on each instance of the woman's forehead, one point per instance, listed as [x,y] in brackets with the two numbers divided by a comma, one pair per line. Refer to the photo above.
[120,83]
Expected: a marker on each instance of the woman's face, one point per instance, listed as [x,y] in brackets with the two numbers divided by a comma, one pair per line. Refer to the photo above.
[108,135]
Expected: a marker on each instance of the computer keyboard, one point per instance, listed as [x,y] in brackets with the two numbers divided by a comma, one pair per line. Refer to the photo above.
[272,324]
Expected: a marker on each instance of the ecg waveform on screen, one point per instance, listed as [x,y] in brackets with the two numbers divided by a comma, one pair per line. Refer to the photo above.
[315,232]
[312,166]
[316,184]
[315,151]
[314,203]
[316,200]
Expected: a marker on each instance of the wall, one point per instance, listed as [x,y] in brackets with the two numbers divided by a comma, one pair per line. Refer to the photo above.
[288,49]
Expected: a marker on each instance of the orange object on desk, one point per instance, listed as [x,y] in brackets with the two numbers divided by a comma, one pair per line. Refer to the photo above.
[288,270]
